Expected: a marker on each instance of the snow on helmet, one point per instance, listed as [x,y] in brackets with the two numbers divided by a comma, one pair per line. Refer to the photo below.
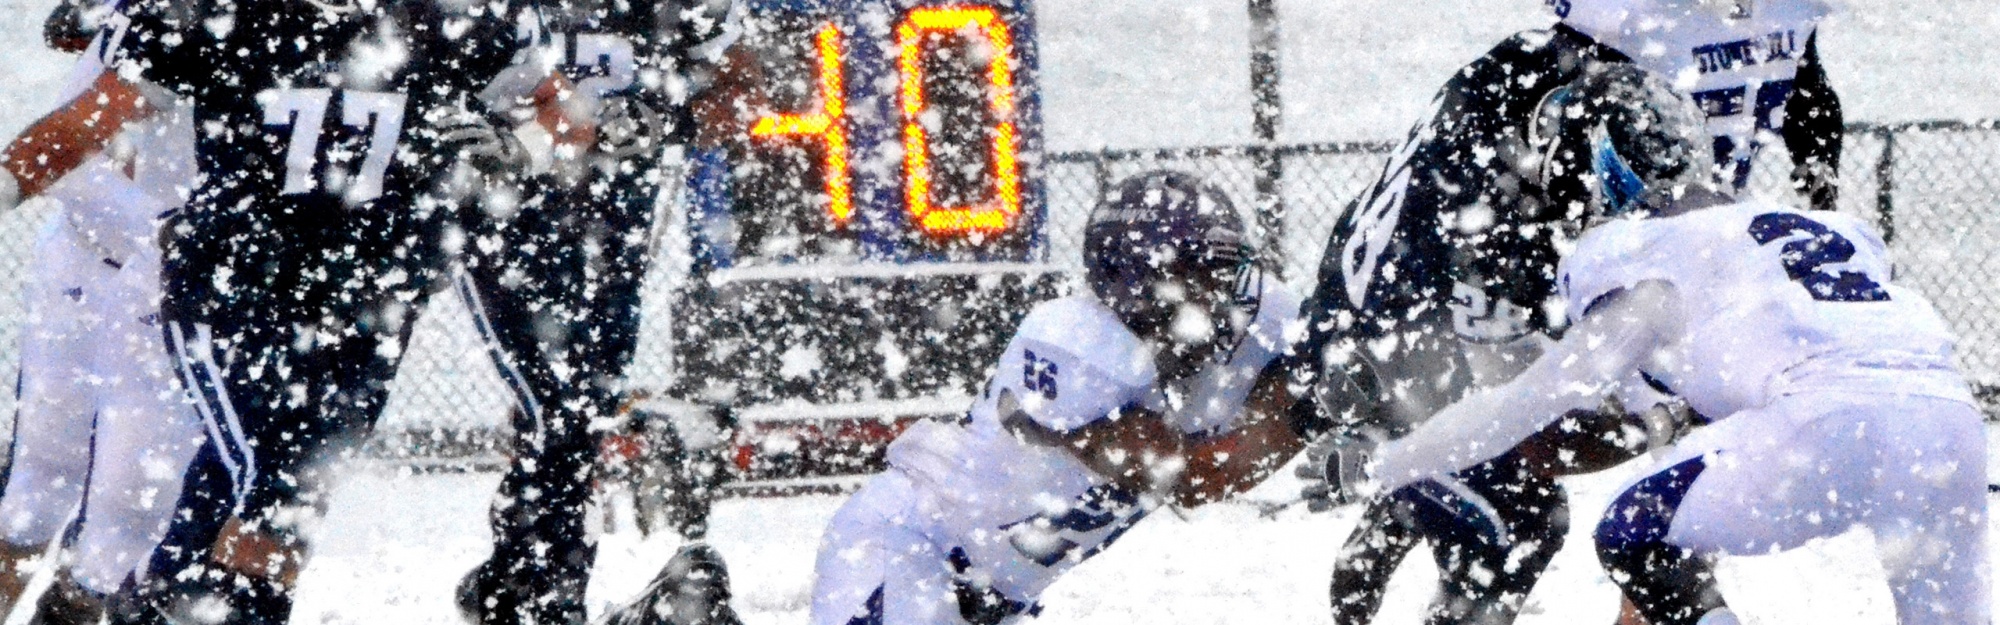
[1617,139]
[1168,254]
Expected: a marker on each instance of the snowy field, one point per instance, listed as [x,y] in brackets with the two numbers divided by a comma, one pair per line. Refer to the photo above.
[396,545]
[1122,74]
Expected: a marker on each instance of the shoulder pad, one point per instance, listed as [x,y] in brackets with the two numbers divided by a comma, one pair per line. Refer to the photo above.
[1089,334]
[1612,256]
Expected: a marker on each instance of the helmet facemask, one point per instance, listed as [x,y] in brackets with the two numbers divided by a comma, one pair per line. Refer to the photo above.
[1615,142]
[1167,254]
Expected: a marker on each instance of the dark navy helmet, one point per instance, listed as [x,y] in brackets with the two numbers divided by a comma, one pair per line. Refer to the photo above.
[1615,140]
[1169,255]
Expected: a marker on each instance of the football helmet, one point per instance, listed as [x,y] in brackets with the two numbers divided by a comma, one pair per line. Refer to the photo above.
[1167,253]
[1617,139]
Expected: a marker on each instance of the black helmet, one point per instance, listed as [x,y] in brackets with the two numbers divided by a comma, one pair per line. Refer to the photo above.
[1168,254]
[1617,139]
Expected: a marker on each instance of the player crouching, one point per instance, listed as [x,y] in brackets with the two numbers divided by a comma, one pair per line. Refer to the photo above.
[1162,387]
[1835,400]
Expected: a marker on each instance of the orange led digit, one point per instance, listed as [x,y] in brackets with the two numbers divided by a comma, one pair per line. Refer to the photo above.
[826,123]
[987,217]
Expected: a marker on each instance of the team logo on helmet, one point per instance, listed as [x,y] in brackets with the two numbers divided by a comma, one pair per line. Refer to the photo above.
[1615,140]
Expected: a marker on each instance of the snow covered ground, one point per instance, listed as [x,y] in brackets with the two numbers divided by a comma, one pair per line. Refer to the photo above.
[396,545]
[1133,73]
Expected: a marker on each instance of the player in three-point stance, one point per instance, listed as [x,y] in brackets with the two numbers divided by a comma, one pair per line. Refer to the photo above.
[102,433]
[552,277]
[293,273]
[1163,386]
[1833,394]
[1440,278]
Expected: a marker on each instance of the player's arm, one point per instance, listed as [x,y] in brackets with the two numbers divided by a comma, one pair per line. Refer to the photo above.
[60,141]
[1135,449]
[1814,130]
[1220,466]
[1615,335]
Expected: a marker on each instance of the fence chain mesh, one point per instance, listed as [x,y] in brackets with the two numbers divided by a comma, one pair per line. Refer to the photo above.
[1926,184]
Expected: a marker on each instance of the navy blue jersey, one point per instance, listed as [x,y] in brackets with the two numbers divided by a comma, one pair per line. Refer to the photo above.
[315,137]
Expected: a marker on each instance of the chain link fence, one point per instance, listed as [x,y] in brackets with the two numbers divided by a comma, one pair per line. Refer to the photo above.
[1923,183]
[1926,184]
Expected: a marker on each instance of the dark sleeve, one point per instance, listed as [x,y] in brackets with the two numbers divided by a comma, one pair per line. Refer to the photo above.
[1813,131]
[163,42]
[492,45]
[1500,230]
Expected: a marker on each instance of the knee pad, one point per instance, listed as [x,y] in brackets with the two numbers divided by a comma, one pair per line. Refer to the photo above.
[1670,585]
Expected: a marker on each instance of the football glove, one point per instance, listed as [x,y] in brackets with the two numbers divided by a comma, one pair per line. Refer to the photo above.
[1335,470]
[480,142]
[1665,422]
[629,126]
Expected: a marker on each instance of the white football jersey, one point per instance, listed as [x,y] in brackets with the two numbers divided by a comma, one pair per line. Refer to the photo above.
[1023,512]
[1735,58]
[1775,301]
[157,153]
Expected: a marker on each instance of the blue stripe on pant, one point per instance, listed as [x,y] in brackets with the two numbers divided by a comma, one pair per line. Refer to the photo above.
[1670,585]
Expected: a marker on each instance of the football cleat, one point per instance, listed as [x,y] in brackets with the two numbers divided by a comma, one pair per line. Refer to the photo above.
[692,589]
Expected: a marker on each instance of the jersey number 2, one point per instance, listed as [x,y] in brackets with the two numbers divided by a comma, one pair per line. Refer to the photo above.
[378,114]
[1809,247]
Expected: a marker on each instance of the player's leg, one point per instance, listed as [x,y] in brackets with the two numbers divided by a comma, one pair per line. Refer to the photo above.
[235,541]
[542,551]
[562,337]
[874,569]
[50,451]
[542,548]
[1928,508]
[147,434]
[1493,530]
[1662,582]
[1757,482]
[1381,539]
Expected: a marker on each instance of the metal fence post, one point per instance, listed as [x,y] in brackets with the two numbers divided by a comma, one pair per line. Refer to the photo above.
[1267,112]
[1885,184]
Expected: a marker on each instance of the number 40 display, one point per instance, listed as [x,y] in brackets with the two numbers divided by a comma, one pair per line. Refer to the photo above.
[827,125]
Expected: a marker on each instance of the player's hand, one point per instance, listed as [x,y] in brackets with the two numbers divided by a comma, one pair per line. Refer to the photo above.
[1666,422]
[628,126]
[1335,470]
[476,140]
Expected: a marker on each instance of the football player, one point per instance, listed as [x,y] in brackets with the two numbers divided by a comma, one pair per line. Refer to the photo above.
[1160,387]
[100,424]
[1833,391]
[292,275]
[1440,278]
[553,280]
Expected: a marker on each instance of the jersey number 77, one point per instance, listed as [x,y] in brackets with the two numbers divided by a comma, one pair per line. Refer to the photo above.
[380,115]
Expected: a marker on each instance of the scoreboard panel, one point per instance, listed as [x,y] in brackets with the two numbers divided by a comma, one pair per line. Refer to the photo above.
[885,131]
[869,235]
